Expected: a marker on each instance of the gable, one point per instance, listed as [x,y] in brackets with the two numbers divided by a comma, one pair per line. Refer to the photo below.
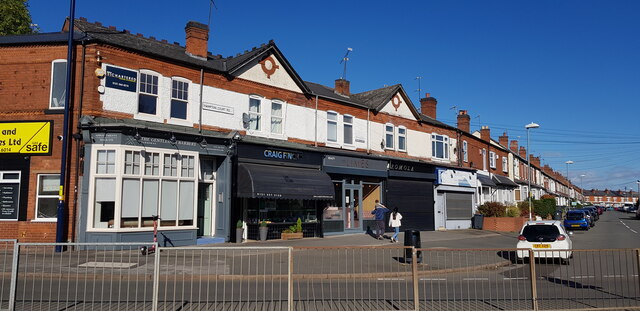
[398,106]
[269,71]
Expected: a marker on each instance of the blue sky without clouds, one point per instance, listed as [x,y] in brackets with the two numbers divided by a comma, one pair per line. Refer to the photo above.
[572,66]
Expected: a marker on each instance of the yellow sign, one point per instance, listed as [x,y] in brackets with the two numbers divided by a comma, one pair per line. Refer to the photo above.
[31,137]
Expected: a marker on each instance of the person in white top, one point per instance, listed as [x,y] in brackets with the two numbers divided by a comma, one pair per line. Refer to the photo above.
[394,222]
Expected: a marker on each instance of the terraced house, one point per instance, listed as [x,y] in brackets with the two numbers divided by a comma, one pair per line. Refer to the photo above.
[207,142]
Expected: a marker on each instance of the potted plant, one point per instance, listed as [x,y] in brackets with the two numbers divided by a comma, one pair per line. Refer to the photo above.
[293,232]
[239,231]
[263,229]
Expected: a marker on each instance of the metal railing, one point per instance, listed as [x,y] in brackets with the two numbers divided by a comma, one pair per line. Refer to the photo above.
[116,276]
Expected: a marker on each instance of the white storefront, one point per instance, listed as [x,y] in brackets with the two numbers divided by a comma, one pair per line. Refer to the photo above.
[455,198]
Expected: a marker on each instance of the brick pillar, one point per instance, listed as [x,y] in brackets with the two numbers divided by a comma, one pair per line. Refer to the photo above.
[342,87]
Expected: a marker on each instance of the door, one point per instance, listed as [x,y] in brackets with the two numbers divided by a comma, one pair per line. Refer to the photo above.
[440,214]
[205,204]
[353,207]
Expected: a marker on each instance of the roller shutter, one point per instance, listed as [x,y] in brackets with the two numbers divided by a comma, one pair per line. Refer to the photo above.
[414,199]
[459,205]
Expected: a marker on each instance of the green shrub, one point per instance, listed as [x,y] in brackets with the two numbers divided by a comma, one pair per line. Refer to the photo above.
[512,211]
[524,208]
[492,209]
[544,207]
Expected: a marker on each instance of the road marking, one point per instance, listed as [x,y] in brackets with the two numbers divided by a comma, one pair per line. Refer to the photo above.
[425,279]
[475,279]
[390,279]
[521,278]
[613,276]
[628,227]
[583,277]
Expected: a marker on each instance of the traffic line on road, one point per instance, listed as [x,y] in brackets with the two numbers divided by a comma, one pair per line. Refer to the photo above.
[475,279]
[520,278]
[613,276]
[628,227]
[431,279]
[390,279]
[583,277]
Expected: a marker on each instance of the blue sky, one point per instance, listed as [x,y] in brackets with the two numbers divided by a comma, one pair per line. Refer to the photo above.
[572,66]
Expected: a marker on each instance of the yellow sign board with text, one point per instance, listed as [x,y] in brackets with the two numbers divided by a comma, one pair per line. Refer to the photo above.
[28,137]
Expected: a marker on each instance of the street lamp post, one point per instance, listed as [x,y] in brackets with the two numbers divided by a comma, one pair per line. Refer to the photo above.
[638,182]
[568,182]
[530,126]
[582,186]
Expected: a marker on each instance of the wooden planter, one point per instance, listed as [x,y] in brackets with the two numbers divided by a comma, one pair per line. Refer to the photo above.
[291,236]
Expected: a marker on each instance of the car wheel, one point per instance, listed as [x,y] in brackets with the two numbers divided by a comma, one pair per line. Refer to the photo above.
[564,262]
[587,228]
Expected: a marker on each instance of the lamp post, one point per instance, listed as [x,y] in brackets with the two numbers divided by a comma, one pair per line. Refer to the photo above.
[638,182]
[568,181]
[528,127]
[582,187]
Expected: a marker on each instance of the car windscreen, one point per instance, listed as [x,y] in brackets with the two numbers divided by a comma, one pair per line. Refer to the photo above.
[575,215]
[540,233]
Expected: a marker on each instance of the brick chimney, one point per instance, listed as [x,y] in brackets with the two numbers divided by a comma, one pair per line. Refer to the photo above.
[504,140]
[197,38]
[428,106]
[485,133]
[464,121]
[514,146]
[342,87]
[522,152]
[534,160]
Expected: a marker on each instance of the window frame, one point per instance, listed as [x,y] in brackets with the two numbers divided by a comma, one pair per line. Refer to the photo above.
[445,146]
[145,93]
[505,164]
[281,117]
[389,140]
[346,124]
[492,159]
[334,122]
[400,135]
[257,114]
[187,84]
[53,63]
[45,196]
[465,151]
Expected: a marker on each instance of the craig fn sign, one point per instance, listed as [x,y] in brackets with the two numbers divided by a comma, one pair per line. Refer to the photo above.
[30,137]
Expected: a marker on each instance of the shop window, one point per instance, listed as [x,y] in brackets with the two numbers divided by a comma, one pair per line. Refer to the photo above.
[106,162]
[132,162]
[255,114]
[402,138]
[47,196]
[170,165]
[105,194]
[152,163]
[148,96]
[465,151]
[276,117]
[440,146]
[347,122]
[188,166]
[10,186]
[179,99]
[332,126]
[492,159]
[388,136]
[58,84]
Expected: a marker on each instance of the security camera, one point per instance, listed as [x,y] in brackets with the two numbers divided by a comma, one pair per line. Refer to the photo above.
[60,137]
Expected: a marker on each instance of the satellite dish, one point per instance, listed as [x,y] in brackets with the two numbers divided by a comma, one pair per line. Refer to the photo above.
[245,120]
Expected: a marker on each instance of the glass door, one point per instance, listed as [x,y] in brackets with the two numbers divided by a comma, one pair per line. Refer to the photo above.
[353,206]
[205,203]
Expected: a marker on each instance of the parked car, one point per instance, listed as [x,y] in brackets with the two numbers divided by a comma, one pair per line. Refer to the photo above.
[592,212]
[547,239]
[638,213]
[576,220]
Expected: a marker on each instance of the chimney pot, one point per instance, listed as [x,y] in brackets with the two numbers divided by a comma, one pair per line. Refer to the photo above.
[197,39]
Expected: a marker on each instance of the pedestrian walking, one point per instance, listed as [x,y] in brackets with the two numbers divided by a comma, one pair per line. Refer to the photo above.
[395,223]
[379,211]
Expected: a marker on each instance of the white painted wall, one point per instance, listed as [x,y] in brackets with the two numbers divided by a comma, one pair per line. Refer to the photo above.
[402,109]
[280,78]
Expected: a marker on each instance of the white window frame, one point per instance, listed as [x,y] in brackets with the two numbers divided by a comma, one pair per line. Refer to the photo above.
[505,164]
[465,151]
[183,96]
[335,123]
[346,125]
[274,117]
[389,136]
[60,105]
[255,115]
[401,135]
[44,196]
[444,141]
[156,95]
[492,159]
[119,178]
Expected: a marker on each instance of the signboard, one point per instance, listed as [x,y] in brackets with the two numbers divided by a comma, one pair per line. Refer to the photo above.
[122,79]
[9,194]
[453,177]
[217,108]
[31,137]
[282,156]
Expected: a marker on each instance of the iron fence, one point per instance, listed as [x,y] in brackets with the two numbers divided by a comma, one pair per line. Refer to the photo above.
[116,276]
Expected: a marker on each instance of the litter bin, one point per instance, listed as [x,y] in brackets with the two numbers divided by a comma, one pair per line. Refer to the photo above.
[412,238]
[477,221]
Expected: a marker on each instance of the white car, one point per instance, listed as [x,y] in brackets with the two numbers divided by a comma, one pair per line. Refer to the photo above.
[547,239]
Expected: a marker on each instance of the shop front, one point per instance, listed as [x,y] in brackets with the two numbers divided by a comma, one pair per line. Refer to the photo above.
[357,184]
[410,189]
[454,201]
[278,186]
[130,176]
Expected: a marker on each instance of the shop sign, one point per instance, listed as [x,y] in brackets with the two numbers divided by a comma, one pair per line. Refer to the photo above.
[122,79]
[410,167]
[456,178]
[356,163]
[9,201]
[32,137]
[281,155]
[277,155]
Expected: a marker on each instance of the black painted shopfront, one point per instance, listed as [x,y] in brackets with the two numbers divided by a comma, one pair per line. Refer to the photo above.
[410,189]
[279,186]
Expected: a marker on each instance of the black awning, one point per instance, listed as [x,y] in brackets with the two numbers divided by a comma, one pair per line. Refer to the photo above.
[280,182]
[486,181]
[504,181]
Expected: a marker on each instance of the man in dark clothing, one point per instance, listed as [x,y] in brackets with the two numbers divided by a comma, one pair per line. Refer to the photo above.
[379,211]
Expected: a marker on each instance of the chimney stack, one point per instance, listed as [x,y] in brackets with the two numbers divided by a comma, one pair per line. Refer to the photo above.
[485,133]
[197,38]
[342,87]
[464,121]
[514,146]
[504,140]
[522,152]
[428,106]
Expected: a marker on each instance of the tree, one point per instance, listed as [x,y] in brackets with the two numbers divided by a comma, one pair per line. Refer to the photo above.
[15,18]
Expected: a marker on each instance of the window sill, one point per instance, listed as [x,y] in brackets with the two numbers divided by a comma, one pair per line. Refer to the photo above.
[44,220]
[181,122]
[54,111]
[148,117]
[333,144]
[349,147]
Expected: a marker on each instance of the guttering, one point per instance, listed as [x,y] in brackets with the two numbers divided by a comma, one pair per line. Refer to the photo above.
[368,140]
[316,125]
[201,89]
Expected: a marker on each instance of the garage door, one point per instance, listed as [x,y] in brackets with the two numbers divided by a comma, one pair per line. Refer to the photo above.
[414,199]
[459,205]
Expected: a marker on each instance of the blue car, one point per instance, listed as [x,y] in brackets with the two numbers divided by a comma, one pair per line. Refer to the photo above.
[577,220]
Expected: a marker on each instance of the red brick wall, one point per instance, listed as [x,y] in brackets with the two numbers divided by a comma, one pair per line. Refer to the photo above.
[503,224]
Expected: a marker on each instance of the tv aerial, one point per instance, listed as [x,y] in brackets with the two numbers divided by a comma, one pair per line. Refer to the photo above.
[344,60]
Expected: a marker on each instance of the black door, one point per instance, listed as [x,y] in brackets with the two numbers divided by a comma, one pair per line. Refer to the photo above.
[414,200]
